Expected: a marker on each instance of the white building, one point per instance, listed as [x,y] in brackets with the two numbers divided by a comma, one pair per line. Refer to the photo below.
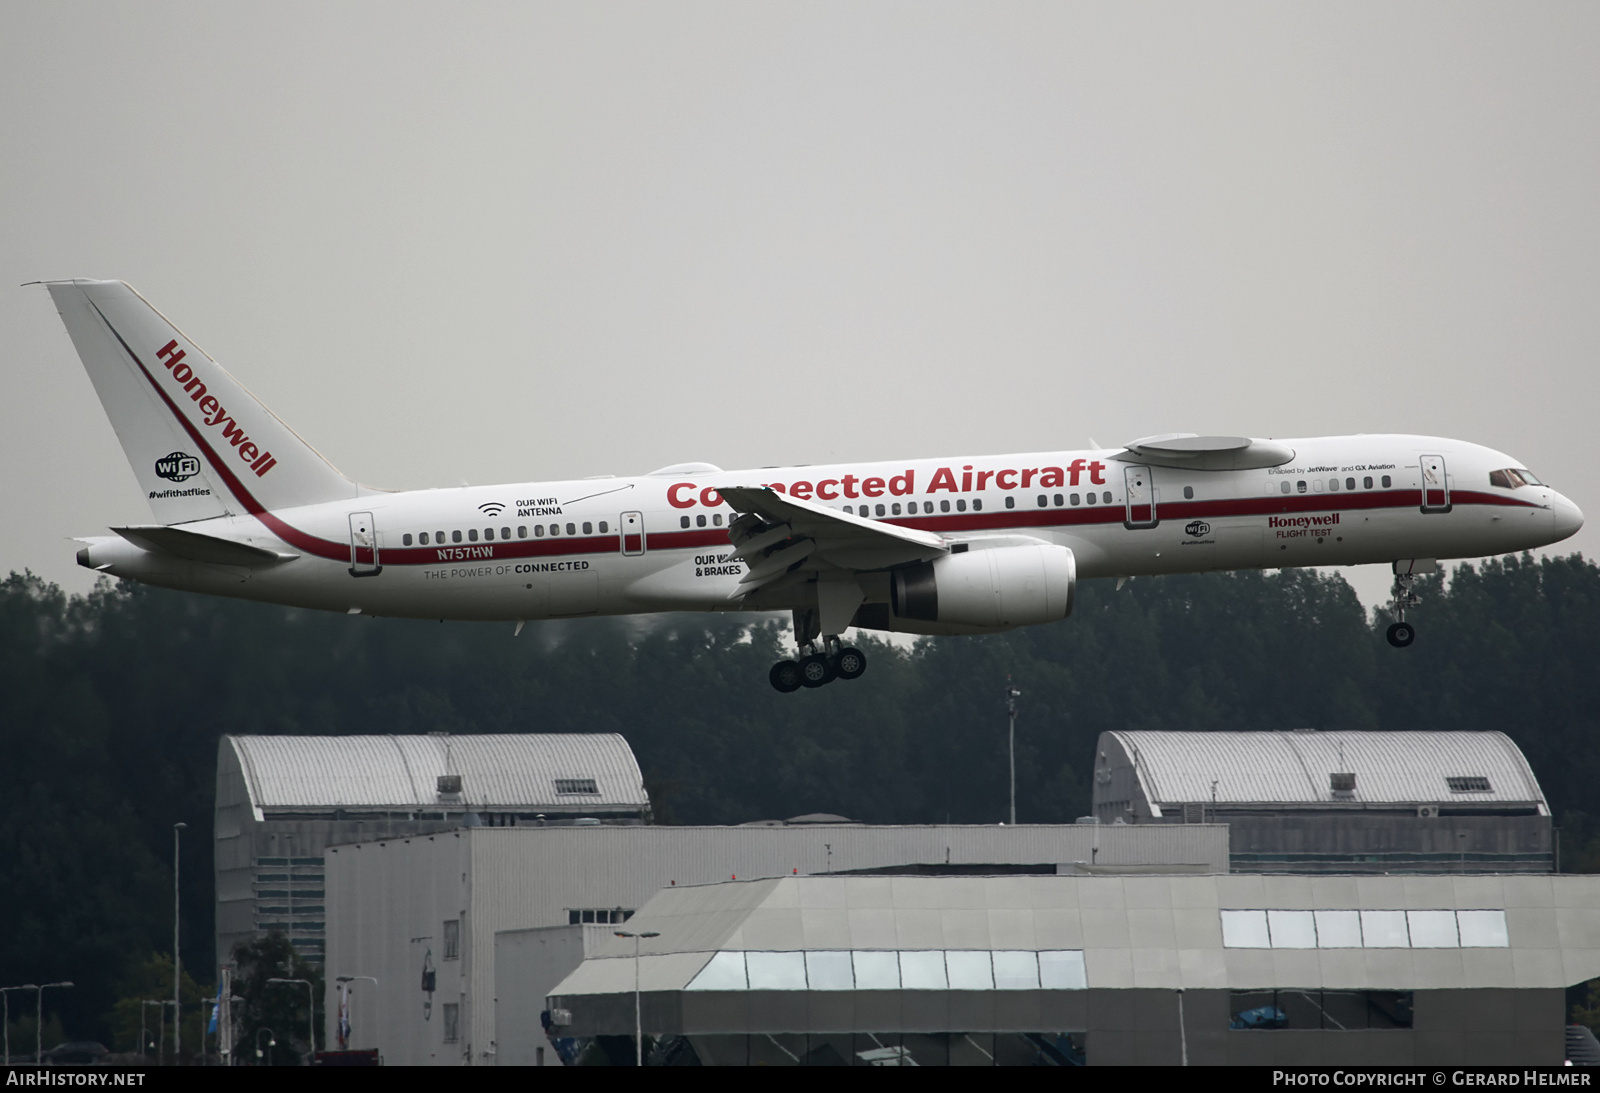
[421,913]
[281,799]
[1337,802]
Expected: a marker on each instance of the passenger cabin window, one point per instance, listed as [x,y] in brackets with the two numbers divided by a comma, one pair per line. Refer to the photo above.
[522,531]
[1300,486]
[716,518]
[944,506]
[894,510]
[1011,502]
[683,521]
[472,535]
[538,531]
[879,509]
[455,536]
[572,529]
[961,504]
[1349,483]
[700,521]
[603,525]
[1366,483]
[1285,486]
[406,539]
[1106,497]
[1188,493]
[1386,481]
[505,533]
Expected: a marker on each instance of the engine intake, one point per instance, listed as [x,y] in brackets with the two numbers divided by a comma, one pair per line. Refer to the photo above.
[996,588]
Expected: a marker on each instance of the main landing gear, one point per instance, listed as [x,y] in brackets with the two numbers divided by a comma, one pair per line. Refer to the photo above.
[821,663]
[1401,633]
[823,658]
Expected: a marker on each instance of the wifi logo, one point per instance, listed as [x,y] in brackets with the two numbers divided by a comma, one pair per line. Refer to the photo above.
[491,508]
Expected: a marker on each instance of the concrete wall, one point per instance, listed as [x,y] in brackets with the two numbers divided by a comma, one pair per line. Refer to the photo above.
[527,966]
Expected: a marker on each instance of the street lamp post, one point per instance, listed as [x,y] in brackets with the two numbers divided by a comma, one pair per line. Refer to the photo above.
[272,1042]
[38,1020]
[311,1013]
[177,998]
[1012,694]
[5,1007]
[638,1021]
[343,979]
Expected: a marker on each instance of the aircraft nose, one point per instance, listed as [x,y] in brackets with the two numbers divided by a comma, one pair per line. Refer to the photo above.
[1569,518]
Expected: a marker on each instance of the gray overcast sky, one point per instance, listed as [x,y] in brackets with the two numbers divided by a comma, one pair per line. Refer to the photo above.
[499,242]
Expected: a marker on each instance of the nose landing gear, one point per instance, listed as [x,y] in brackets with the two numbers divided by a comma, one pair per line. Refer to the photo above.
[1401,633]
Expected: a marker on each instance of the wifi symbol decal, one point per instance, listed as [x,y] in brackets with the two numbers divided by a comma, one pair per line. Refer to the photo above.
[491,508]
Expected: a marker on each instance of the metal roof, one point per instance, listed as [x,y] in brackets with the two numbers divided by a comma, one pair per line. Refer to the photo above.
[1272,767]
[498,772]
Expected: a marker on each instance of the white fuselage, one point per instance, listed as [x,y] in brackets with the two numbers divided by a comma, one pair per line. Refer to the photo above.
[612,546]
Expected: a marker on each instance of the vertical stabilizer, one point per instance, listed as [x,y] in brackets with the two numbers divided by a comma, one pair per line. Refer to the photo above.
[200,444]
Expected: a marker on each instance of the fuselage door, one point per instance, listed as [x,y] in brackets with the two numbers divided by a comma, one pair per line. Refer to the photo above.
[633,533]
[1435,485]
[1141,497]
[363,546]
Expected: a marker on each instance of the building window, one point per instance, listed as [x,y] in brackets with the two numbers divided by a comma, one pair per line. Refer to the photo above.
[602,915]
[1470,784]
[452,939]
[452,1022]
[577,785]
[1370,929]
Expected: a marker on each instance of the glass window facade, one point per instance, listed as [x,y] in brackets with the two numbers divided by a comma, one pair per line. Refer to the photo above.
[1276,929]
[879,970]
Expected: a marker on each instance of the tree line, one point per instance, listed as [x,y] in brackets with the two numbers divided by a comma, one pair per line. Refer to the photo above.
[111,705]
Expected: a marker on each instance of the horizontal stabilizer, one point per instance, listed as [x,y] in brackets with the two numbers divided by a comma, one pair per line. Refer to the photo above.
[195,547]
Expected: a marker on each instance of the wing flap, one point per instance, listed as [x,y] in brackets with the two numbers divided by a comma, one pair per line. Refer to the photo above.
[778,532]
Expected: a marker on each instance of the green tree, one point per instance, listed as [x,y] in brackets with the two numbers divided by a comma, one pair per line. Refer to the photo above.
[280,1007]
[148,980]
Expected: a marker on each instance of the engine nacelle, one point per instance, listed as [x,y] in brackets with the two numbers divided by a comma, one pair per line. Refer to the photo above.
[994,588]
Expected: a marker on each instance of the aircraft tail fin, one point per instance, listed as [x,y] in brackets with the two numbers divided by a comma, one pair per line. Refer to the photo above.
[201,445]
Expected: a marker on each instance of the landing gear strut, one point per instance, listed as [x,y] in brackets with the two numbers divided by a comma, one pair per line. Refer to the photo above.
[823,659]
[1401,633]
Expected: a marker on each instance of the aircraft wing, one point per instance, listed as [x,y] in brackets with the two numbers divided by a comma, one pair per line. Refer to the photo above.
[777,533]
[196,547]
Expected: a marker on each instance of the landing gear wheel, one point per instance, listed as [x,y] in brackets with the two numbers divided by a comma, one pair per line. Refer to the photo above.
[785,676]
[1402,634]
[850,663]
[816,671]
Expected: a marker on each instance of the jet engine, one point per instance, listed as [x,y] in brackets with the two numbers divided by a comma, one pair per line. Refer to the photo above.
[985,589]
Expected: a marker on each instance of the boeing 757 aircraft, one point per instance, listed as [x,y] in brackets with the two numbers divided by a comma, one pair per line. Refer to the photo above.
[967,545]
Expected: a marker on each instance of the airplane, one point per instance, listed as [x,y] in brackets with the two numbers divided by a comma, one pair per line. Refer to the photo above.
[970,545]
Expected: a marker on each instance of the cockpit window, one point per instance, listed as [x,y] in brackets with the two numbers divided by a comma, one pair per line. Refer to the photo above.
[1512,477]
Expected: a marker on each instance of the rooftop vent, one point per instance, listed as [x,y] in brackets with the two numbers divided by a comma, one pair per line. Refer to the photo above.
[576,785]
[449,783]
[1342,785]
[1474,783]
